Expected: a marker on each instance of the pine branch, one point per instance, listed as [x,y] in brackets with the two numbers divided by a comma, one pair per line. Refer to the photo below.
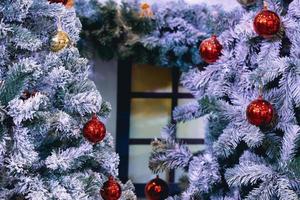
[16,80]
[248,174]
[285,191]
[265,191]
[170,157]
[204,172]
[187,112]
[289,143]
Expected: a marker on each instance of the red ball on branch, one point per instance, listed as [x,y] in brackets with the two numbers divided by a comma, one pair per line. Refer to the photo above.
[267,23]
[210,49]
[59,1]
[156,189]
[94,130]
[67,3]
[111,189]
[260,112]
[27,94]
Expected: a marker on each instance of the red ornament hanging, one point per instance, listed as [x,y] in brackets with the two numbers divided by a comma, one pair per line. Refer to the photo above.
[260,112]
[210,49]
[267,23]
[27,94]
[67,3]
[156,189]
[94,130]
[111,189]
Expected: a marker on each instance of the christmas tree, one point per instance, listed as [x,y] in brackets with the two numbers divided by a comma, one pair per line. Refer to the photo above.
[250,95]
[53,144]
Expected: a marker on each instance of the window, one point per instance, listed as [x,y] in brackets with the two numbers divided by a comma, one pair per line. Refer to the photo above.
[146,97]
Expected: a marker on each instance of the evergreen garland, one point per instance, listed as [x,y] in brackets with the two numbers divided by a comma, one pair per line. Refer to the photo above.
[170,37]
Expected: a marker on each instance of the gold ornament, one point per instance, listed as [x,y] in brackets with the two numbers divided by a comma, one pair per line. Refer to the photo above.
[145,10]
[60,40]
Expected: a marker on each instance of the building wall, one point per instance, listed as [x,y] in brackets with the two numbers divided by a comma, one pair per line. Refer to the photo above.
[104,74]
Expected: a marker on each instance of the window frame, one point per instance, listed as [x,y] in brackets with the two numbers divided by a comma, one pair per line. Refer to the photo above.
[123,141]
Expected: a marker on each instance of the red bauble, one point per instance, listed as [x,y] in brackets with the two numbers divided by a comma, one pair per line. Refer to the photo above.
[111,190]
[267,23]
[260,112]
[59,1]
[156,189]
[210,49]
[94,130]
[27,94]
[67,3]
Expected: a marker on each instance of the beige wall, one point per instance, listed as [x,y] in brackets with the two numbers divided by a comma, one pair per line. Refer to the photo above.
[104,74]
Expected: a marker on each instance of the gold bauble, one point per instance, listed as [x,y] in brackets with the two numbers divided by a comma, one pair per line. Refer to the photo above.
[59,41]
[247,2]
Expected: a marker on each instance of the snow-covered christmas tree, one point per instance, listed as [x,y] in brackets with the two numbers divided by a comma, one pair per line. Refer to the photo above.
[250,95]
[53,144]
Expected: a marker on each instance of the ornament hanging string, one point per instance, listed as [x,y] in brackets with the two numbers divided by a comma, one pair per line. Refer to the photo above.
[265,5]
[260,89]
[59,24]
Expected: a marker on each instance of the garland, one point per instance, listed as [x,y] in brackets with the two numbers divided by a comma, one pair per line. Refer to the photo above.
[165,34]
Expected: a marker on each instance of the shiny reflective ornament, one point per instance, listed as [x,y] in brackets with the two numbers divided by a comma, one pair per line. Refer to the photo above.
[94,130]
[111,190]
[267,23]
[156,189]
[260,112]
[210,49]
[247,2]
[59,41]
[67,3]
